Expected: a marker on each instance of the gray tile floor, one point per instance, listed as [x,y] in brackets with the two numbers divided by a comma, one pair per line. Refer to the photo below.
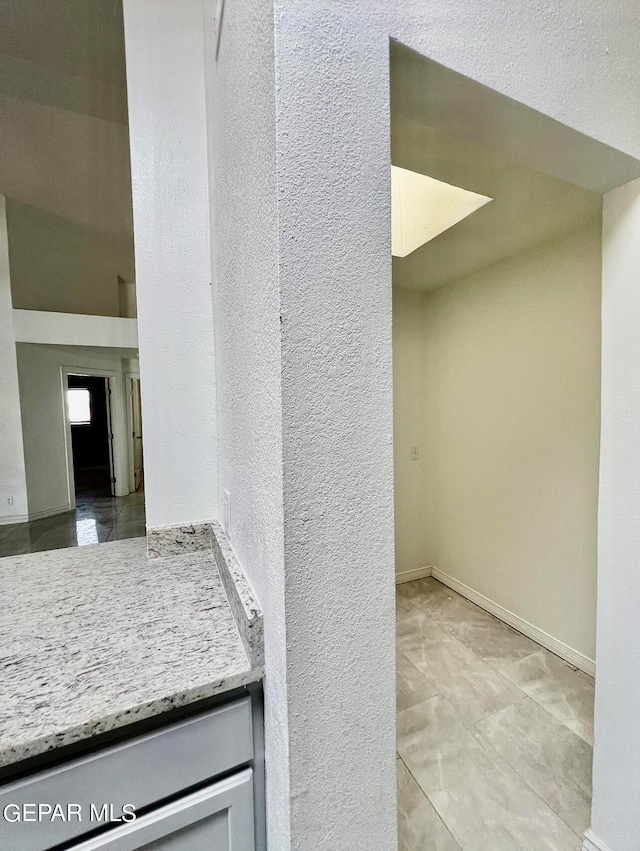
[97,519]
[494,732]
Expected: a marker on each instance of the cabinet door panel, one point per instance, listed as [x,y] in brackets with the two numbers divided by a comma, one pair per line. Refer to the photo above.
[140,771]
[217,818]
[209,833]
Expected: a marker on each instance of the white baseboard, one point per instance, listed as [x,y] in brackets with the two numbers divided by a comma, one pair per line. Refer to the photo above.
[569,654]
[10,519]
[412,575]
[49,512]
[592,843]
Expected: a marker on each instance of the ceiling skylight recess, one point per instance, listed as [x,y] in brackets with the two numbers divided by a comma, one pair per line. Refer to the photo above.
[423,207]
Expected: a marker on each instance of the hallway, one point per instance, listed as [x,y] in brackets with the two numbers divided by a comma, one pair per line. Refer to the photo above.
[97,518]
[494,732]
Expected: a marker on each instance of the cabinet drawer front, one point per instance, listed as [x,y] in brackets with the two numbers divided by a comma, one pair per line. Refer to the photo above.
[138,772]
[218,818]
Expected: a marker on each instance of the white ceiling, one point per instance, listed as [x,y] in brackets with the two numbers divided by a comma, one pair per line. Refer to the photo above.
[545,178]
[64,145]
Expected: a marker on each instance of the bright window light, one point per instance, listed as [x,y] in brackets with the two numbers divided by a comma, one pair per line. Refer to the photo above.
[79,403]
[423,207]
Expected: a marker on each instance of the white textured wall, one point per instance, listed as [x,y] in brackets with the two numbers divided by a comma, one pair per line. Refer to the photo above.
[616,769]
[13,484]
[332,157]
[333,231]
[536,53]
[43,425]
[297,409]
[165,84]
[334,234]
[510,445]
[241,122]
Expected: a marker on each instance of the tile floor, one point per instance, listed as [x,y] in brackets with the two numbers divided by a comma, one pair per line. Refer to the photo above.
[97,518]
[494,732]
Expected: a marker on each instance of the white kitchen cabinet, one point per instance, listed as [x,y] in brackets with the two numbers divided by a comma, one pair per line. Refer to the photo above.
[217,818]
[195,785]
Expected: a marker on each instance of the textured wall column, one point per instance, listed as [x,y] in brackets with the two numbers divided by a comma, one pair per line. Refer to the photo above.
[334,220]
[165,84]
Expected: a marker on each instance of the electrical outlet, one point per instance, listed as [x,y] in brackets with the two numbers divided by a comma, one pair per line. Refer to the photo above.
[9,500]
[226,513]
[415,453]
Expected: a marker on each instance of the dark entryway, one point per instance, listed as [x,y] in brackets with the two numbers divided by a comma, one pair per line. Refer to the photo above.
[91,435]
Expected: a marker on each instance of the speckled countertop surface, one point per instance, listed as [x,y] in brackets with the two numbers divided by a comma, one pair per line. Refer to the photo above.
[95,638]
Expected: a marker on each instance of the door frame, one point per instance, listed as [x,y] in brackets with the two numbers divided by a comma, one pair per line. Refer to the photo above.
[118,423]
[129,376]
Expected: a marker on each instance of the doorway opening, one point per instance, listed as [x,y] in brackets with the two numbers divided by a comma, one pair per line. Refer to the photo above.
[497,278]
[136,466]
[89,405]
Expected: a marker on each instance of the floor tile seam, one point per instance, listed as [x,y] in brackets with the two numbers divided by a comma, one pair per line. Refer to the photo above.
[519,729]
[467,728]
[552,717]
[478,609]
[500,667]
[495,757]
[548,711]
[550,714]
[447,631]
[443,822]
[560,720]
[437,683]
[421,702]
[499,759]
[422,674]
[524,779]
[495,666]
[477,660]
[502,708]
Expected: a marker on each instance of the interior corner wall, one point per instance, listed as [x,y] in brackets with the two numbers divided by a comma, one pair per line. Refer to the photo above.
[511,438]
[411,510]
[43,424]
[167,132]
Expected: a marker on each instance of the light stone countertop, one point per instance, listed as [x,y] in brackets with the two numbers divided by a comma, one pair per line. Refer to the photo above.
[94,638]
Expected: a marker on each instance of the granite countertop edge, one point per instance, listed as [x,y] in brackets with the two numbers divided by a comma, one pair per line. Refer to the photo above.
[99,638]
[46,744]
